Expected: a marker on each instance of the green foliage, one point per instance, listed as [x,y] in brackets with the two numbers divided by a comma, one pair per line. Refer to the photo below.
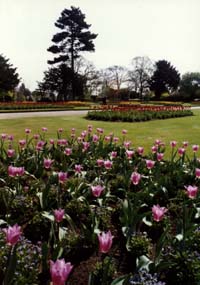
[165,78]
[9,78]
[135,116]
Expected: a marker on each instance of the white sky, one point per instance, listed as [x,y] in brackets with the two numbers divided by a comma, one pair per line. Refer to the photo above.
[160,29]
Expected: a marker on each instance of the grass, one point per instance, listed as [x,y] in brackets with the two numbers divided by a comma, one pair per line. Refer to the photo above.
[141,134]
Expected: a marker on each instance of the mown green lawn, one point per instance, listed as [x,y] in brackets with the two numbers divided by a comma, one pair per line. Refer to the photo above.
[141,134]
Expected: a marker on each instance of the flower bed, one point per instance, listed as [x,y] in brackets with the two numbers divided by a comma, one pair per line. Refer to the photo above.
[42,105]
[138,113]
[90,209]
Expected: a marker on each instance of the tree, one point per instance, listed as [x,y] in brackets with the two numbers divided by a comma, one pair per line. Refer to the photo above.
[9,78]
[74,38]
[140,74]
[56,85]
[190,85]
[165,78]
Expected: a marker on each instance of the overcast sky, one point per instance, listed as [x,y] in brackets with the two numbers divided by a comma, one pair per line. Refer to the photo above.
[160,29]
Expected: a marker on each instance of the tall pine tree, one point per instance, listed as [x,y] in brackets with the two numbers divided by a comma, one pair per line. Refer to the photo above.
[9,78]
[165,78]
[73,39]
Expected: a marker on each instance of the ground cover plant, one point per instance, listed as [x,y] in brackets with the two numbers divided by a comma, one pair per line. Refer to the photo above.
[92,208]
[138,113]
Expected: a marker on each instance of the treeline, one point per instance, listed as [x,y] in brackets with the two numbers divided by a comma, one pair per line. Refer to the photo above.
[71,77]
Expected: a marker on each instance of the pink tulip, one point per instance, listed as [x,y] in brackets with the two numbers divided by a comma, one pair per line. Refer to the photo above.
[173,144]
[90,128]
[140,150]
[181,151]
[68,151]
[12,234]
[127,144]
[60,130]
[59,215]
[22,143]
[97,190]
[84,134]
[10,152]
[60,271]
[159,156]
[36,136]
[105,241]
[78,168]
[158,212]
[86,145]
[107,138]
[154,148]
[191,191]
[62,142]
[158,142]
[124,132]
[27,131]
[150,163]
[100,162]
[100,130]
[113,154]
[115,139]
[51,141]
[3,136]
[197,172]
[135,178]
[73,130]
[40,145]
[14,171]
[108,164]
[195,148]
[10,137]
[129,153]
[95,138]
[62,177]
[47,163]
[44,129]
[185,144]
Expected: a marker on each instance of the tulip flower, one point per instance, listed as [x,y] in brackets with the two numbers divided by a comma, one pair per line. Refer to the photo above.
[105,241]
[191,191]
[181,151]
[62,177]
[47,163]
[3,136]
[115,139]
[159,156]
[158,212]
[97,190]
[60,271]
[100,162]
[78,168]
[154,148]
[150,163]
[12,234]
[68,151]
[108,164]
[173,144]
[113,154]
[44,129]
[124,132]
[195,148]
[95,138]
[129,154]
[197,172]
[10,152]
[140,150]
[15,171]
[27,131]
[135,177]
[59,215]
